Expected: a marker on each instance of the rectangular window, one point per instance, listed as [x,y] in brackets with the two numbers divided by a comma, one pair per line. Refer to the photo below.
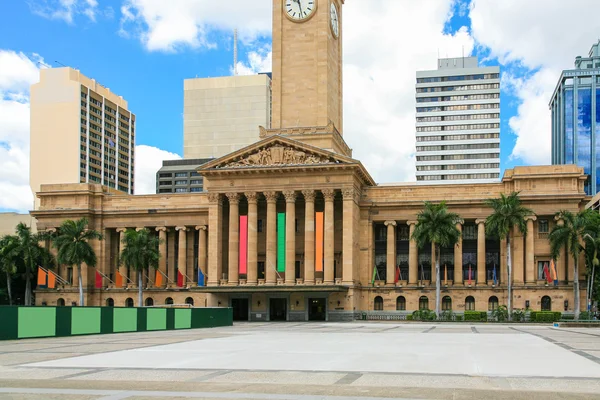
[543,269]
[261,269]
[196,182]
[196,190]
[259,226]
[180,190]
[543,226]
[181,175]
[165,175]
[181,182]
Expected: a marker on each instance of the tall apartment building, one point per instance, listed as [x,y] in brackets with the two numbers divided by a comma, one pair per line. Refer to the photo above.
[458,123]
[576,118]
[222,115]
[81,132]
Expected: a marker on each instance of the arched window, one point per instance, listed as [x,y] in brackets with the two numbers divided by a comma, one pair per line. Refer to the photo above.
[189,301]
[129,302]
[400,303]
[378,303]
[446,303]
[110,302]
[149,302]
[60,302]
[423,303]
[546,303]
[169,300]
[493,303]
[470,303]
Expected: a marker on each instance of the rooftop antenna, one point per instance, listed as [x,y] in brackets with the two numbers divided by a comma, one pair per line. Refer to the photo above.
[463,55]
[58,62]
[235,52]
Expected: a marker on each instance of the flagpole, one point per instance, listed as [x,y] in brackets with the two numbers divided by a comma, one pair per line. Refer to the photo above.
[47,271]
[104,276]
[165,275]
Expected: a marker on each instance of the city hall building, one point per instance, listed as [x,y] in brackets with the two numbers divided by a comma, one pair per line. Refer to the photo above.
[292,227]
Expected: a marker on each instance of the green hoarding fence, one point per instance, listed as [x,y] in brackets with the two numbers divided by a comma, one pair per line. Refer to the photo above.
[281,242]
[17,322]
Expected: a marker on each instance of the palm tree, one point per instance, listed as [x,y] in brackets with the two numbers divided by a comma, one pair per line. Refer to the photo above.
[31,253]
[437,226]
[74,248]
[508,212]
[9,258]
[140,252]
[571,234]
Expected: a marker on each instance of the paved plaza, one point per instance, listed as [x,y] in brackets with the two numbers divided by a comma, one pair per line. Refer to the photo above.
[297,361]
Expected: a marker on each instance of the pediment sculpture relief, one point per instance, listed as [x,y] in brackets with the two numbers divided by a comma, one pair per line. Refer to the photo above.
[278,155]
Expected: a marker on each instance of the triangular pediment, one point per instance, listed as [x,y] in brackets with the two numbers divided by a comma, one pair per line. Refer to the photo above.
[277,152]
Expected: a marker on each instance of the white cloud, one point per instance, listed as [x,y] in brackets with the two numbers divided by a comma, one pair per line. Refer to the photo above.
[65,10]
[161,26]
[148,161]
[260,60]
[543,39]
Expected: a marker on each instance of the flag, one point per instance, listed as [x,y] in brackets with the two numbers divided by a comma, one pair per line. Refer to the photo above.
[51,280]
[445,274]
[553,272]
[374,275]
[158,279]
[42,279]
[469,274]
[179,279]
[98,281]
[200,277]
[494,276]
[397,277]
[546,273]
[119,280]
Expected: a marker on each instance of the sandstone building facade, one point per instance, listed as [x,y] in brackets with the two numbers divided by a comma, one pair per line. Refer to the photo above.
[292,227]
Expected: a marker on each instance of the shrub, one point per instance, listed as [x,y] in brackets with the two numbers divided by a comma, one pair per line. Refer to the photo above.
[584,316]
[458,317]
[544,316]
[500,313]
[476,316]
[518,315]
[423,315]
[409,317]
[447,316]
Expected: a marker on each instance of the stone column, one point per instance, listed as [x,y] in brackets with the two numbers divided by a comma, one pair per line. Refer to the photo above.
[350,239]
[561,261]
[290,237]
[481,270]
[252,275]
[413,256]
[162,249]
[309,237]
[517,256]
[271,259]
[391,253]
[182,253]
[234,238]
[329,195]
[202,250]
[215,236]
[458,261]
[171,239]
[122,267]
[530,251]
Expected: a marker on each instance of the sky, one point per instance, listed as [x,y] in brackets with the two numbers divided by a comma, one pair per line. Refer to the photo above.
[144,49]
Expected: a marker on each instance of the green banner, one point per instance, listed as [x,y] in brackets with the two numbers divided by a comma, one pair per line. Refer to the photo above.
[280,242]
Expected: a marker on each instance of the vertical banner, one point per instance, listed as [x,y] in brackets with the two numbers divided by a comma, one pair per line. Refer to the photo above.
[280,242]
[243,250]
[319,240]
[42,279]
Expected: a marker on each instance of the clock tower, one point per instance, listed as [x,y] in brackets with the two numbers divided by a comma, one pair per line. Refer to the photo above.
[307,70]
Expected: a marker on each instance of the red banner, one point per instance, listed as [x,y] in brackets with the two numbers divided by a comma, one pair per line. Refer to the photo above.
[179,279]
[98,283]
[243,264]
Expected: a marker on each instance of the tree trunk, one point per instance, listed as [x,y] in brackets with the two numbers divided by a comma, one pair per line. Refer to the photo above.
[9,288]
[591,290]
[437,281]
[27,284]
[80,286]
[140,295]
[509,275]
[576,300]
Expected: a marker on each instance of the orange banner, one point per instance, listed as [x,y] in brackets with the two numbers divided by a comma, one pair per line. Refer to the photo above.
[41,277]
[119,280]
[158,279]
[319,237]
[51,280]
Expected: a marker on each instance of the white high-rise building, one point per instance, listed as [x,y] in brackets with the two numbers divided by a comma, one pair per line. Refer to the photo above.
[458,123]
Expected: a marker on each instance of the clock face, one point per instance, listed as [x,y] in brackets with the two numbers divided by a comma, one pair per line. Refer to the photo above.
[335,23]
[300,10]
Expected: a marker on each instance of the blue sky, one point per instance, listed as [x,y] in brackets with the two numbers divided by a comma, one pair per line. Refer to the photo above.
[144,49]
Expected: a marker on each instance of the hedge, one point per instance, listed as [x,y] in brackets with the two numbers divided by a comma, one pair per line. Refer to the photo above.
[544,316]
[475,316]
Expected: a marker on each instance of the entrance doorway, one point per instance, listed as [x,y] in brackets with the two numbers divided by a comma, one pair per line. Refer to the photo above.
[240,309]
[316,309]
[278,310]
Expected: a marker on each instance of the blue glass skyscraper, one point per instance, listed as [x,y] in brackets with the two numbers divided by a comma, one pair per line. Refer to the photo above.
[575,109]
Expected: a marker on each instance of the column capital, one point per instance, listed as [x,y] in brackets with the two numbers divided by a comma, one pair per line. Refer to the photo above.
[251,196]
[349,193]
[531,218]
[390,223]
[141,228]
[460,221]
[328,194]
[290,196]
[409,223]
[119,230]
[558,218]
[181,228]
[234,198]
[271,196]
[202,228]
[309,195]
[50,230]
[480,221]
[161,229]
[215,198]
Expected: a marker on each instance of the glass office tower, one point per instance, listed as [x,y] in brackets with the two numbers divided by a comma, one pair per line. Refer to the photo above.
[575,109]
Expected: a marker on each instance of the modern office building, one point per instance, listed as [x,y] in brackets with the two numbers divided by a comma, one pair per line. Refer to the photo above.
[576,117]
[10,220]
[81,132]
[222,115]
[458,123]
[180,176]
